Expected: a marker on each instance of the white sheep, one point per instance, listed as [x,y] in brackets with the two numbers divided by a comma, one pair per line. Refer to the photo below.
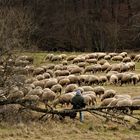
[64,81]
[113,79]
[102,80]
[47,95]
[73,79]
[70,88]
[108,94]
[107,101]
[99,90]
[57,88]
[64,99]
[126,59]
[38,71]
[50,82]
[117,58]
[87,88]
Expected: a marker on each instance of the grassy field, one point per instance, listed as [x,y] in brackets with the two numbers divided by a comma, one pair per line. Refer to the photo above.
[92,128]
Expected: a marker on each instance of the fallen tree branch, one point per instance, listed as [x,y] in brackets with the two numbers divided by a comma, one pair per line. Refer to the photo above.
[68,111]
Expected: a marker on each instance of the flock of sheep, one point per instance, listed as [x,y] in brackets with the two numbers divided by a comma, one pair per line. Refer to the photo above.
[56,81]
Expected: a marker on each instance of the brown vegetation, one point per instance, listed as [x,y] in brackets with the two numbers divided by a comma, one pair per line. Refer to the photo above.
[85,25]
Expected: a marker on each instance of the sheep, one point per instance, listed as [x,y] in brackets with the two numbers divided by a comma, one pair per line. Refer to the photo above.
[39,77]
[50,72]
[92,95]
[126,78]
[65,62]
[107,57]
[116,67]
[82,79]
[46,75]
[91,80]
[99,90]
[40,83]
[26,88]
[76,70]
[89,92]
[32,86]
[64,56]
[123,54]
[102,62]
[126,59]
[91,61]
[122,96]
[64,82]
[89,69]
[22,63]
[47,95]
[131,65]
[73,79]
[15,94]
[87,88]
[114,102]
[61,73]
[57,88]
[82,64]
[124,67]
[124,102]
[102,80]
[135,79]
[71,57]
[30,59]
[117,58]
[105,66]
[78,59]
[30,69]
[70,88]
[56,58]
[50,83]
[101,55]
[38,71]
[19,70]
[31,100]
[87,100]
[49,57]
[108,94]
[113,54]
[136,97]
[58,67]
[137,58]
[64,99]
[50,66]
[37,91]
[107,101]
[113,79]
[132,56]
[136,102]
[97,68]
[92,56]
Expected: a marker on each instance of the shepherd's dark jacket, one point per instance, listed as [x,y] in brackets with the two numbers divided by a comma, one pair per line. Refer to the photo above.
[78,102]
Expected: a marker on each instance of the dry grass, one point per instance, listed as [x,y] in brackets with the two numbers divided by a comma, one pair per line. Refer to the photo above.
[68,129]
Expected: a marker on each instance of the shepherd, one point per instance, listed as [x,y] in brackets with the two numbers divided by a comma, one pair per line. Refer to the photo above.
[78,103]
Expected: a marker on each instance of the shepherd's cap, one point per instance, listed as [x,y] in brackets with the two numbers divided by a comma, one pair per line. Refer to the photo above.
[78,92]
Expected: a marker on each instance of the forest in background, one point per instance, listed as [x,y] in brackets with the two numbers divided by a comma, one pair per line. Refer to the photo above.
[70,25]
